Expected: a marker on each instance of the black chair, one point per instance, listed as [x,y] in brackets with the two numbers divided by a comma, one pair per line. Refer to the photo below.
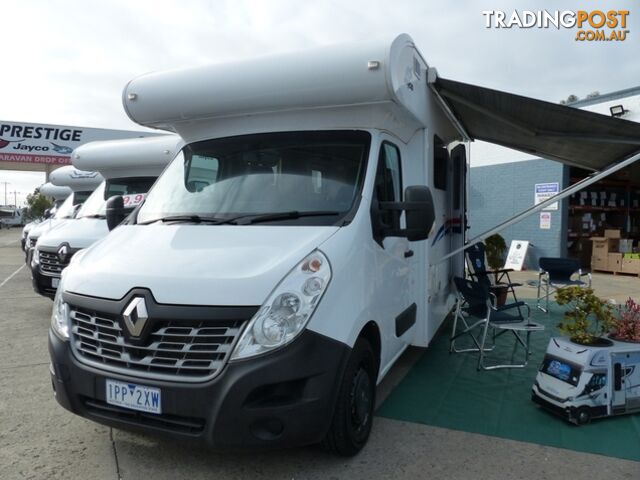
[496,280]
[556,273]
[476,313]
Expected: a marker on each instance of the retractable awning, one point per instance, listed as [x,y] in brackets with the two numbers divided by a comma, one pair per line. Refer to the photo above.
[575,137]
[557,132]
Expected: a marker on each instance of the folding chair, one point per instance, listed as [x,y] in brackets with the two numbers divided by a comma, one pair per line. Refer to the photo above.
[555,273]
[475,314]
[477,268]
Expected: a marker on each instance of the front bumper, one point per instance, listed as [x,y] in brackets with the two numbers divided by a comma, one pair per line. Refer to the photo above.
[278,400]
[43,284]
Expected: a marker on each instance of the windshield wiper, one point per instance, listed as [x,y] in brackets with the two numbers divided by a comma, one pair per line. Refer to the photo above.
[251,217]
[188,218]
[95,215]
[272,217]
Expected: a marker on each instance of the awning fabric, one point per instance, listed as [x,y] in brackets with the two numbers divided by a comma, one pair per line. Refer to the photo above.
[566,134]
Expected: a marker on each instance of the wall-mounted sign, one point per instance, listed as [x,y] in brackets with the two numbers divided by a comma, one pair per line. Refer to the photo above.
[544,191]
[545,220]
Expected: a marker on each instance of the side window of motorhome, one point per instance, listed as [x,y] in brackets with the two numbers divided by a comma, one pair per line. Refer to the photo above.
[440,163]
[388,182]
[201,172]
[128,186]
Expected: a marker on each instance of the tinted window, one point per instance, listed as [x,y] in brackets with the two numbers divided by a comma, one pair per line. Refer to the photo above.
[388,184]
[440,162]
[561,369]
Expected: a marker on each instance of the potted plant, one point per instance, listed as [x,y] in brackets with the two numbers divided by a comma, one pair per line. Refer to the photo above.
[588,317]
[495,248]
[627,326]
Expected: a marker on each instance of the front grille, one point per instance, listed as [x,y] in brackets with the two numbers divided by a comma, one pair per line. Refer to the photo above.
[187,350]
[50,262]
[174,423]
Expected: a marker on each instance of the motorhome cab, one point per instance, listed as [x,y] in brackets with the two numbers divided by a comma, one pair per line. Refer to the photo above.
[59,195]
[82,184]
[580,383]
[278,267]
[129,168]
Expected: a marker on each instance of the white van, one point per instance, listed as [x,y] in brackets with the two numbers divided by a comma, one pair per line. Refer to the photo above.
[58,194]
[82,184]
[581,382]
[129,167]
[280,265]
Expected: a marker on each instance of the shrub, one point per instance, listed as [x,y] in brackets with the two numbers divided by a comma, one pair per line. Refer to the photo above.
[588,318]
[627,326]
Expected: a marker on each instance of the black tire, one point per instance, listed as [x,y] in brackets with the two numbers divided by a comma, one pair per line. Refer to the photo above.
[353,414]
[583,415]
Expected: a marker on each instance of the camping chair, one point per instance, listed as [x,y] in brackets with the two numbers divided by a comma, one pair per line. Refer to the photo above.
[477,269]
[556,273]
[476,313]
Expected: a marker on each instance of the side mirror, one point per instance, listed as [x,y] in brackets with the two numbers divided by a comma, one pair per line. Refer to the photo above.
[115,211]
[420,212]
[47,213]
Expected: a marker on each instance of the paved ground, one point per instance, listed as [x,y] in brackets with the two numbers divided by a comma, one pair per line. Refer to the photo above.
[40,440]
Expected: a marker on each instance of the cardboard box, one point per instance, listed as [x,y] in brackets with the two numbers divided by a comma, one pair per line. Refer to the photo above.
[599,262]
[630,265]
[603,245]
[614,262]
[615,233]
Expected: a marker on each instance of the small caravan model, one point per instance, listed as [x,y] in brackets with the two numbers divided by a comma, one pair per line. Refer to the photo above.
[303,238]
[81,184]
[129,167]
[581,382]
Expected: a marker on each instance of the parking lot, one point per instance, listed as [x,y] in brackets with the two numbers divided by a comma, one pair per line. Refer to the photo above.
[38,439]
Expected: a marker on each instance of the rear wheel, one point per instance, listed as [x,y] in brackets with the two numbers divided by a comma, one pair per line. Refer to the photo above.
[353,416]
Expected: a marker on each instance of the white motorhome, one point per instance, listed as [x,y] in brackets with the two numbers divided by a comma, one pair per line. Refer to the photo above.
[58,194]
[581,382]
[10,216]
[129,168]
[280,265]
[82,184]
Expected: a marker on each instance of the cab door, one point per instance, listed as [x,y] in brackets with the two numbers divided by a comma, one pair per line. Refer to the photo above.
[394,306]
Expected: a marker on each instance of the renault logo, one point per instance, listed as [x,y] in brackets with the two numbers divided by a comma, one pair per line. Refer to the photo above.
[135,316]
[62,253]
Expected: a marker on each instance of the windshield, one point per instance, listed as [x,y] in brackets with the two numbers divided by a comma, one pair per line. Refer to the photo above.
[262,174]
[66,210]
[561,369]
[95,205]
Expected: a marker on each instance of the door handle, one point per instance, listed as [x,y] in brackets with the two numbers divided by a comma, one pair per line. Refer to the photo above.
[408,254]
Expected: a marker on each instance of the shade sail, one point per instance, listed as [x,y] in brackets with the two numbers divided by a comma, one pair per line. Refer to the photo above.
[557,132]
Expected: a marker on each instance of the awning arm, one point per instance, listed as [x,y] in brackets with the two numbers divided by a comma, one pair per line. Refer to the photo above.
[576,187]
[432,76]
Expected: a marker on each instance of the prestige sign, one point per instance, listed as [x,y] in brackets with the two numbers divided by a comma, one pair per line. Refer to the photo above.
[29,143]
[591,25]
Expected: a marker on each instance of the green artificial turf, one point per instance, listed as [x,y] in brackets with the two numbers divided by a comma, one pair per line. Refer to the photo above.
[446,390]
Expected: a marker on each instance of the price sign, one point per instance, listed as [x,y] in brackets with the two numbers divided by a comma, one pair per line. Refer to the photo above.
[133,199]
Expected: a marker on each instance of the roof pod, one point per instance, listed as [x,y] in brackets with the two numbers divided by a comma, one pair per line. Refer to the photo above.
[369,73]
[76,180]
[55,191]
[133,157]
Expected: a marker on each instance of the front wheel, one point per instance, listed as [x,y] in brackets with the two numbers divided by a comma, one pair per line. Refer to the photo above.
[583,415]
[353,416]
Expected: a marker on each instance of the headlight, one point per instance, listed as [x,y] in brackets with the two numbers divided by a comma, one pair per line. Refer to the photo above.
[60,315]
[288,309]
[35,256]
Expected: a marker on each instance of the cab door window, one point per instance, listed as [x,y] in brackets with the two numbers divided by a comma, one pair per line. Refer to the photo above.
[388,183]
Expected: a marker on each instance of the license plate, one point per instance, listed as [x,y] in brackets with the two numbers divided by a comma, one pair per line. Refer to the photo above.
[55,282]
[133,396]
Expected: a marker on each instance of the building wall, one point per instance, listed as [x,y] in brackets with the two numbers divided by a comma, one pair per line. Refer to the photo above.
[500,191]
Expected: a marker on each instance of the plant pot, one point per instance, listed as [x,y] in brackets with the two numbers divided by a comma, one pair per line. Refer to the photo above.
[598,342]
[501,294]
[625,340]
